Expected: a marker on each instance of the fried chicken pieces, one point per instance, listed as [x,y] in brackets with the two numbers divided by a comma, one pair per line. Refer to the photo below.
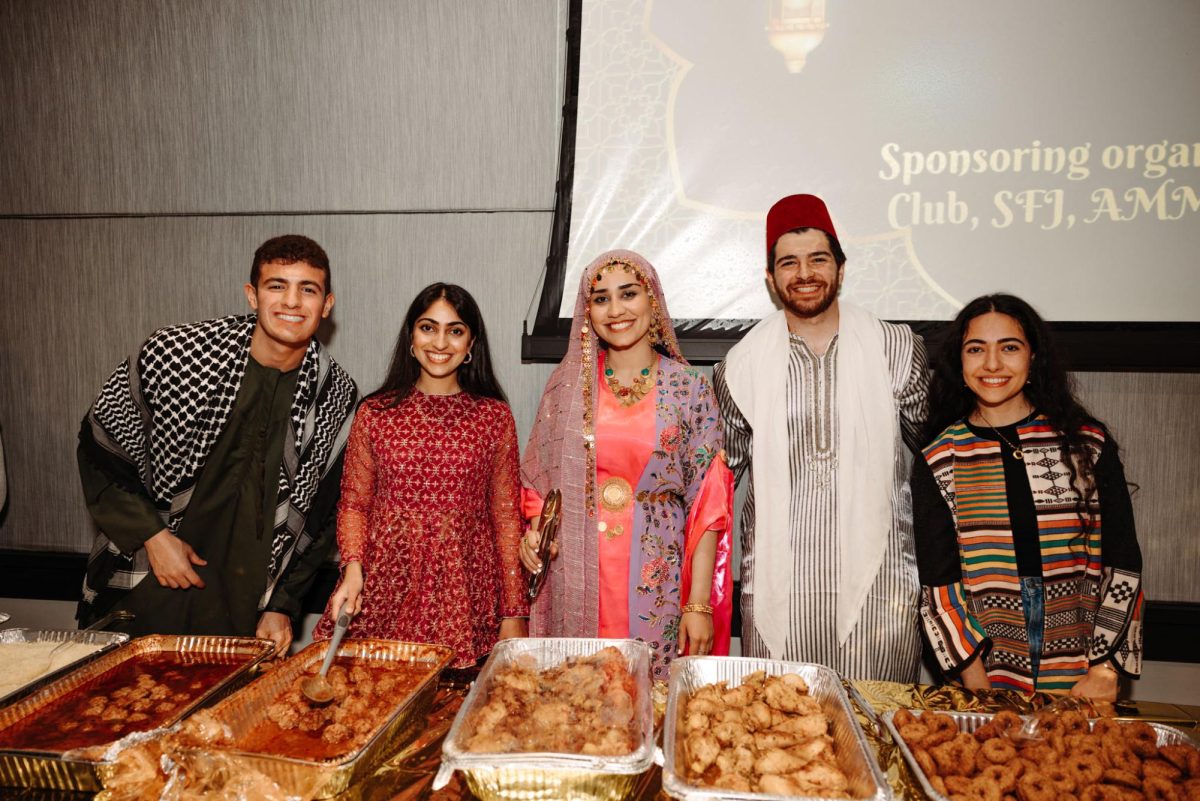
[767,735]
[586,705]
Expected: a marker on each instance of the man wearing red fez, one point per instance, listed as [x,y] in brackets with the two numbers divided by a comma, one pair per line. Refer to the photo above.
[818,401]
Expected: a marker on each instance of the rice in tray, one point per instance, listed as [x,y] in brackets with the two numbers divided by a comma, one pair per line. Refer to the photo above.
[25,662]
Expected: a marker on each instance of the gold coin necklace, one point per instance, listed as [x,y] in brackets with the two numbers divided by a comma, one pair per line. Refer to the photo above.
[629,395]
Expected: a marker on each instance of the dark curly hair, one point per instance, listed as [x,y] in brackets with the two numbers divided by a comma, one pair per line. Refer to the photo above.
[1050,389]
[289,249]
[475,376]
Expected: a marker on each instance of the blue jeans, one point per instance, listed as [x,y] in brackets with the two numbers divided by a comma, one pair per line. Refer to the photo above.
[1033,602]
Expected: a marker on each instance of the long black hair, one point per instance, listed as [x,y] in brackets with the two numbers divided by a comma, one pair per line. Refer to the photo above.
[475,376]
[1050,389]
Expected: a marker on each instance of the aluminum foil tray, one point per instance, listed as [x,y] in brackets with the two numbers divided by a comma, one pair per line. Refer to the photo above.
[107,640]
[691,673]
[45,769]
[245,709]
[550,776]
[970,721]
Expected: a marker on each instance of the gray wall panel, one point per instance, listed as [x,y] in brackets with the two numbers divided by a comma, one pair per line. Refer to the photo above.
[1152,417]
[82,294]
[228,105]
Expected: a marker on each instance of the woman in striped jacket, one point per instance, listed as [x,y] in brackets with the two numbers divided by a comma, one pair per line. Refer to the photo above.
[1026,548]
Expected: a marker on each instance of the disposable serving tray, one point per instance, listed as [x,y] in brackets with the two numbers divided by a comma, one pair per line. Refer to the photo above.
[550,775]
[71,771]
[245,709]
[691,673]
[106,640]
[970,721]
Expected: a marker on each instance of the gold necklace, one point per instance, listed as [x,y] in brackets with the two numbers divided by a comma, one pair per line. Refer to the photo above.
[629,395]
[1017,453]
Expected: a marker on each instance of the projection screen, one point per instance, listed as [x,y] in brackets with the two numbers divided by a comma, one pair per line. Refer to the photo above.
[1050,150]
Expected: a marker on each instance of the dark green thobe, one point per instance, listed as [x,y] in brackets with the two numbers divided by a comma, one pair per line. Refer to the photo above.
[229,521]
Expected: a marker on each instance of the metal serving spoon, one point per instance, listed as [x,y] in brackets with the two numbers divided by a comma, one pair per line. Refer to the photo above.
[317,688]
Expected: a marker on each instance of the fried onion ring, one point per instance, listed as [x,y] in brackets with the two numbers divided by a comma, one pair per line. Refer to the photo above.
[1184,757]
[1006,721]
[1034,786]
[914,733]
[998,751]
[1162,769]
[925,762]
[1003,776]
[958,785]
[1072,722]
[1062,779]
[1122,777]
[956,757]
[1157,788]
[1142,739]
[941,729]
[1087,768]
[983,789]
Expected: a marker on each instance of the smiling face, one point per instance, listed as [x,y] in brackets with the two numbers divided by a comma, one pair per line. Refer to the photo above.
[805,275]
[995,363]
[440,341]
[291,302]
[619,308]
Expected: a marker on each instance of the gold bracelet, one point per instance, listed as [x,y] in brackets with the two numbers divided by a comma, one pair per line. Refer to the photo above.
[703,609]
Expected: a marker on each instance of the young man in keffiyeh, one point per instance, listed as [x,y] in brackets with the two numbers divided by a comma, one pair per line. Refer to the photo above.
[212,457]
[818,400]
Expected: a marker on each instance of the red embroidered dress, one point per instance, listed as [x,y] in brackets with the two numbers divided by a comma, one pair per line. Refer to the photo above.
[429,507]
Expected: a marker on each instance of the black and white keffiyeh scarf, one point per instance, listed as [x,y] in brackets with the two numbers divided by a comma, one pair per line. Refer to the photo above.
[158,415]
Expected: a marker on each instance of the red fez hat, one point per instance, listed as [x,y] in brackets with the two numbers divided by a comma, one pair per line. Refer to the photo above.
[797,211]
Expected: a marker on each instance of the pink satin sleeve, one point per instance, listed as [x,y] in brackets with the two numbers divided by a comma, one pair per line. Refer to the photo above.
[713,511]
[531,503]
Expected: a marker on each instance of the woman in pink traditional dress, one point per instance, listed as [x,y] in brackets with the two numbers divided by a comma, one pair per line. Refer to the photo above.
[429,523]
[630,434]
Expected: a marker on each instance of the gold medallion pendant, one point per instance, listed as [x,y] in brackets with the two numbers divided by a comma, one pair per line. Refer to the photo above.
[615,494]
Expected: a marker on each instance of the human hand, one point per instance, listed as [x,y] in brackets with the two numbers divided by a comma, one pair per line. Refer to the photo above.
[277,627]
[1099,684]
[529,549]
[695,634]
[512,627]
[348,595]
[171,560]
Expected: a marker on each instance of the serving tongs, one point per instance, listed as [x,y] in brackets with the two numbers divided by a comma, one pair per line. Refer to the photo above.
[548,528]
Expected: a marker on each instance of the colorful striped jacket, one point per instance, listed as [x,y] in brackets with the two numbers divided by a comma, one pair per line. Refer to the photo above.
[1092,604]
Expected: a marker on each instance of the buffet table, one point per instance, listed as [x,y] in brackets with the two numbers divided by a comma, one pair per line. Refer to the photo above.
[409,775]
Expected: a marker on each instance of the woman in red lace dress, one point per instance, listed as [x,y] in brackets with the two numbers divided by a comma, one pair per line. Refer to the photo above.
[429,521]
